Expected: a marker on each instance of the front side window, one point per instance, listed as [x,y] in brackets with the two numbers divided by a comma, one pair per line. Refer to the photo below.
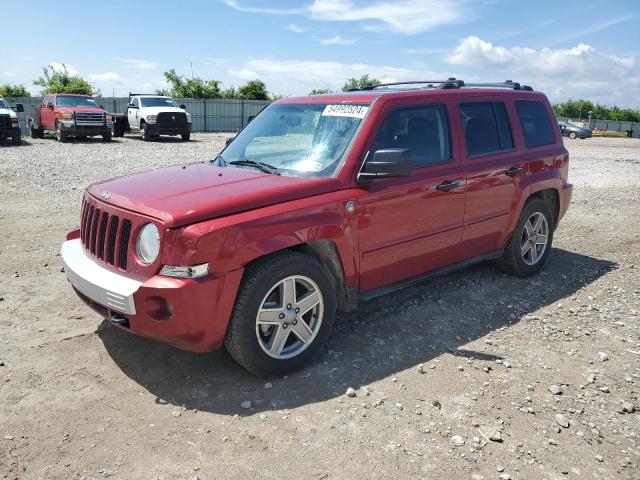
[536,126]
[486,128]
[298,139]
[157,102]
[3,103]
[422,130]
[73,101]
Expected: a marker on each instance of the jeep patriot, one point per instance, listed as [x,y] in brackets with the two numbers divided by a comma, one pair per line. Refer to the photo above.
[318,203]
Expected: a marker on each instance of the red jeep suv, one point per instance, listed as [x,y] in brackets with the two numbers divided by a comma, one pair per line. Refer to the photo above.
[319,203]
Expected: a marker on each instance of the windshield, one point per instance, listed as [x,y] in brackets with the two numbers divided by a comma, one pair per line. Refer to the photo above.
[298,139]
[3,103]
[63,101]
[157,102]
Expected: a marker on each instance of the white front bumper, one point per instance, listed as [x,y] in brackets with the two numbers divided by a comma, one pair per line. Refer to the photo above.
[101,285]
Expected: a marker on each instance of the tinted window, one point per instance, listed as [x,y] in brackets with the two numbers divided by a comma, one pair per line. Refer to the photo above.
[535,122]
[486,127]
[423,130]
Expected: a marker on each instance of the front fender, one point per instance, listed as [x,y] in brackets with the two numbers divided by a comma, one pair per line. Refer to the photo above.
[230,243]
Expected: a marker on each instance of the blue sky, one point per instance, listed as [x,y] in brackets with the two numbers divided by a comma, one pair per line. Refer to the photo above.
[564,48]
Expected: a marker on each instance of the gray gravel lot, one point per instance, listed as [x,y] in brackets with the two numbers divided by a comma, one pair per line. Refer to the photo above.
[475,375]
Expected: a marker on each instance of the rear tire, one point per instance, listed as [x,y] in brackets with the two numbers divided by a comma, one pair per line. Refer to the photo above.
[35,132]
[118,129]
[268,324]
[519,257]
[16,140]
[572,135]
[186,137]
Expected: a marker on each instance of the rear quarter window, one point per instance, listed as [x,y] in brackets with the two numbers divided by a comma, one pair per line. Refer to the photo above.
[535,122]
[486,128]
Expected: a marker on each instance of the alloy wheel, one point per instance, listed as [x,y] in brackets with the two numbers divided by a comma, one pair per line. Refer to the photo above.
[534,238]
[289,317]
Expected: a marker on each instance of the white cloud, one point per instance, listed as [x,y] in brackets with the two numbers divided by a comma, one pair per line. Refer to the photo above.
[572,72]
[295,28]
[107,77]
[338,40]
[400,16]
[140,64]
[298,77]
[59,67]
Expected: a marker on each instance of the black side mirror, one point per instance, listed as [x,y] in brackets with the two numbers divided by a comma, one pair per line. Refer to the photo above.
[50,106]
[228,141]
[392,162]
[19,107]
[101,107]
[183,106]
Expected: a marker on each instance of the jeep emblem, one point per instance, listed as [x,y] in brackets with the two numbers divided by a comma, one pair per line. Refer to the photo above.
[106,195]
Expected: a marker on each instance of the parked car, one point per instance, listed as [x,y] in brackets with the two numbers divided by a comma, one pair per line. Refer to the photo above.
[152,116]
[9,125]
[69,115]
[319,203]
[572,130]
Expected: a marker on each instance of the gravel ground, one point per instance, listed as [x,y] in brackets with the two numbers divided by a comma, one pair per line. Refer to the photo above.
[475,375]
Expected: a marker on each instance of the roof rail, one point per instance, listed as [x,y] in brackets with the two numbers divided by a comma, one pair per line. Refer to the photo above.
[506,84]
[449,83]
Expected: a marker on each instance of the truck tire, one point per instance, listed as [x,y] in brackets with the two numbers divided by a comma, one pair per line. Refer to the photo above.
[118,129]
[61,135]
[283,314]
[106,137]
[16,140]
[530,244]
[144,132]
[186,137]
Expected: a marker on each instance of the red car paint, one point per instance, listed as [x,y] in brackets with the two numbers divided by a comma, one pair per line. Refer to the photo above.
[401,227]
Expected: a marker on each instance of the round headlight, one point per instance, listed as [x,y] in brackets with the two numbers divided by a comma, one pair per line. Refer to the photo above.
[148,244]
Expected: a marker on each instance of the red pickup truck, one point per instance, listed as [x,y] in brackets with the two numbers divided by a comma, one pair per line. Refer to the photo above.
[70,115]
[319,203]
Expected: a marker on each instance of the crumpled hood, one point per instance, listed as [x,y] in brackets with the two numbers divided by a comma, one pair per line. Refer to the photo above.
[191,193]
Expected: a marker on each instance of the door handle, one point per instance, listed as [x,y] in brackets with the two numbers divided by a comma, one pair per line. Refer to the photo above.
[513,171]
[446,186]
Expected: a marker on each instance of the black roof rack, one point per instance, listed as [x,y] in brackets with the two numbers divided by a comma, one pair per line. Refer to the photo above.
[447,84]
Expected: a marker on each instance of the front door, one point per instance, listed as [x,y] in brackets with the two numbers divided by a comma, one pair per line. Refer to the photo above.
[412,225]
[47,120]
[133,113]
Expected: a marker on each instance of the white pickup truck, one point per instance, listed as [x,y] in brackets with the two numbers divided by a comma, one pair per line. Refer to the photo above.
[9,127]
[152,116]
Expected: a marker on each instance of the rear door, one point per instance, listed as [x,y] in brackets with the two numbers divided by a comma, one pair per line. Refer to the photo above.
[412,225]
[493,173]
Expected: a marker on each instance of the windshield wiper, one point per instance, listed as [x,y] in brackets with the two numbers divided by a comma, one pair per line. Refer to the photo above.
[264,167]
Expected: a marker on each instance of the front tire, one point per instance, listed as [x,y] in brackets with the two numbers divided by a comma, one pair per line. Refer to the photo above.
[144,132]
[185,137]
[61,135]
[16,140]
[530,244]
[284,312]
[106,137]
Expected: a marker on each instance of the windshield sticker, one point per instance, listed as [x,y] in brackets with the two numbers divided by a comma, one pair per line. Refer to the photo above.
[353,111]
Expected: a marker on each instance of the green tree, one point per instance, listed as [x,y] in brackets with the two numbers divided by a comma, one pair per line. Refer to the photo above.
[363,81]
[9,90]
[181,87]
[581,108]
[320,91]
[253,90]
[61,81]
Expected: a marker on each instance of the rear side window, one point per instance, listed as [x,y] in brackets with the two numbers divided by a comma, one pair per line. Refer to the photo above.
[535,122]
[423,130]
[486,127]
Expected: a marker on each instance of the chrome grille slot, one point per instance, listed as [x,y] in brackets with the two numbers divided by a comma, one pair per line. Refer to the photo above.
[89,119]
